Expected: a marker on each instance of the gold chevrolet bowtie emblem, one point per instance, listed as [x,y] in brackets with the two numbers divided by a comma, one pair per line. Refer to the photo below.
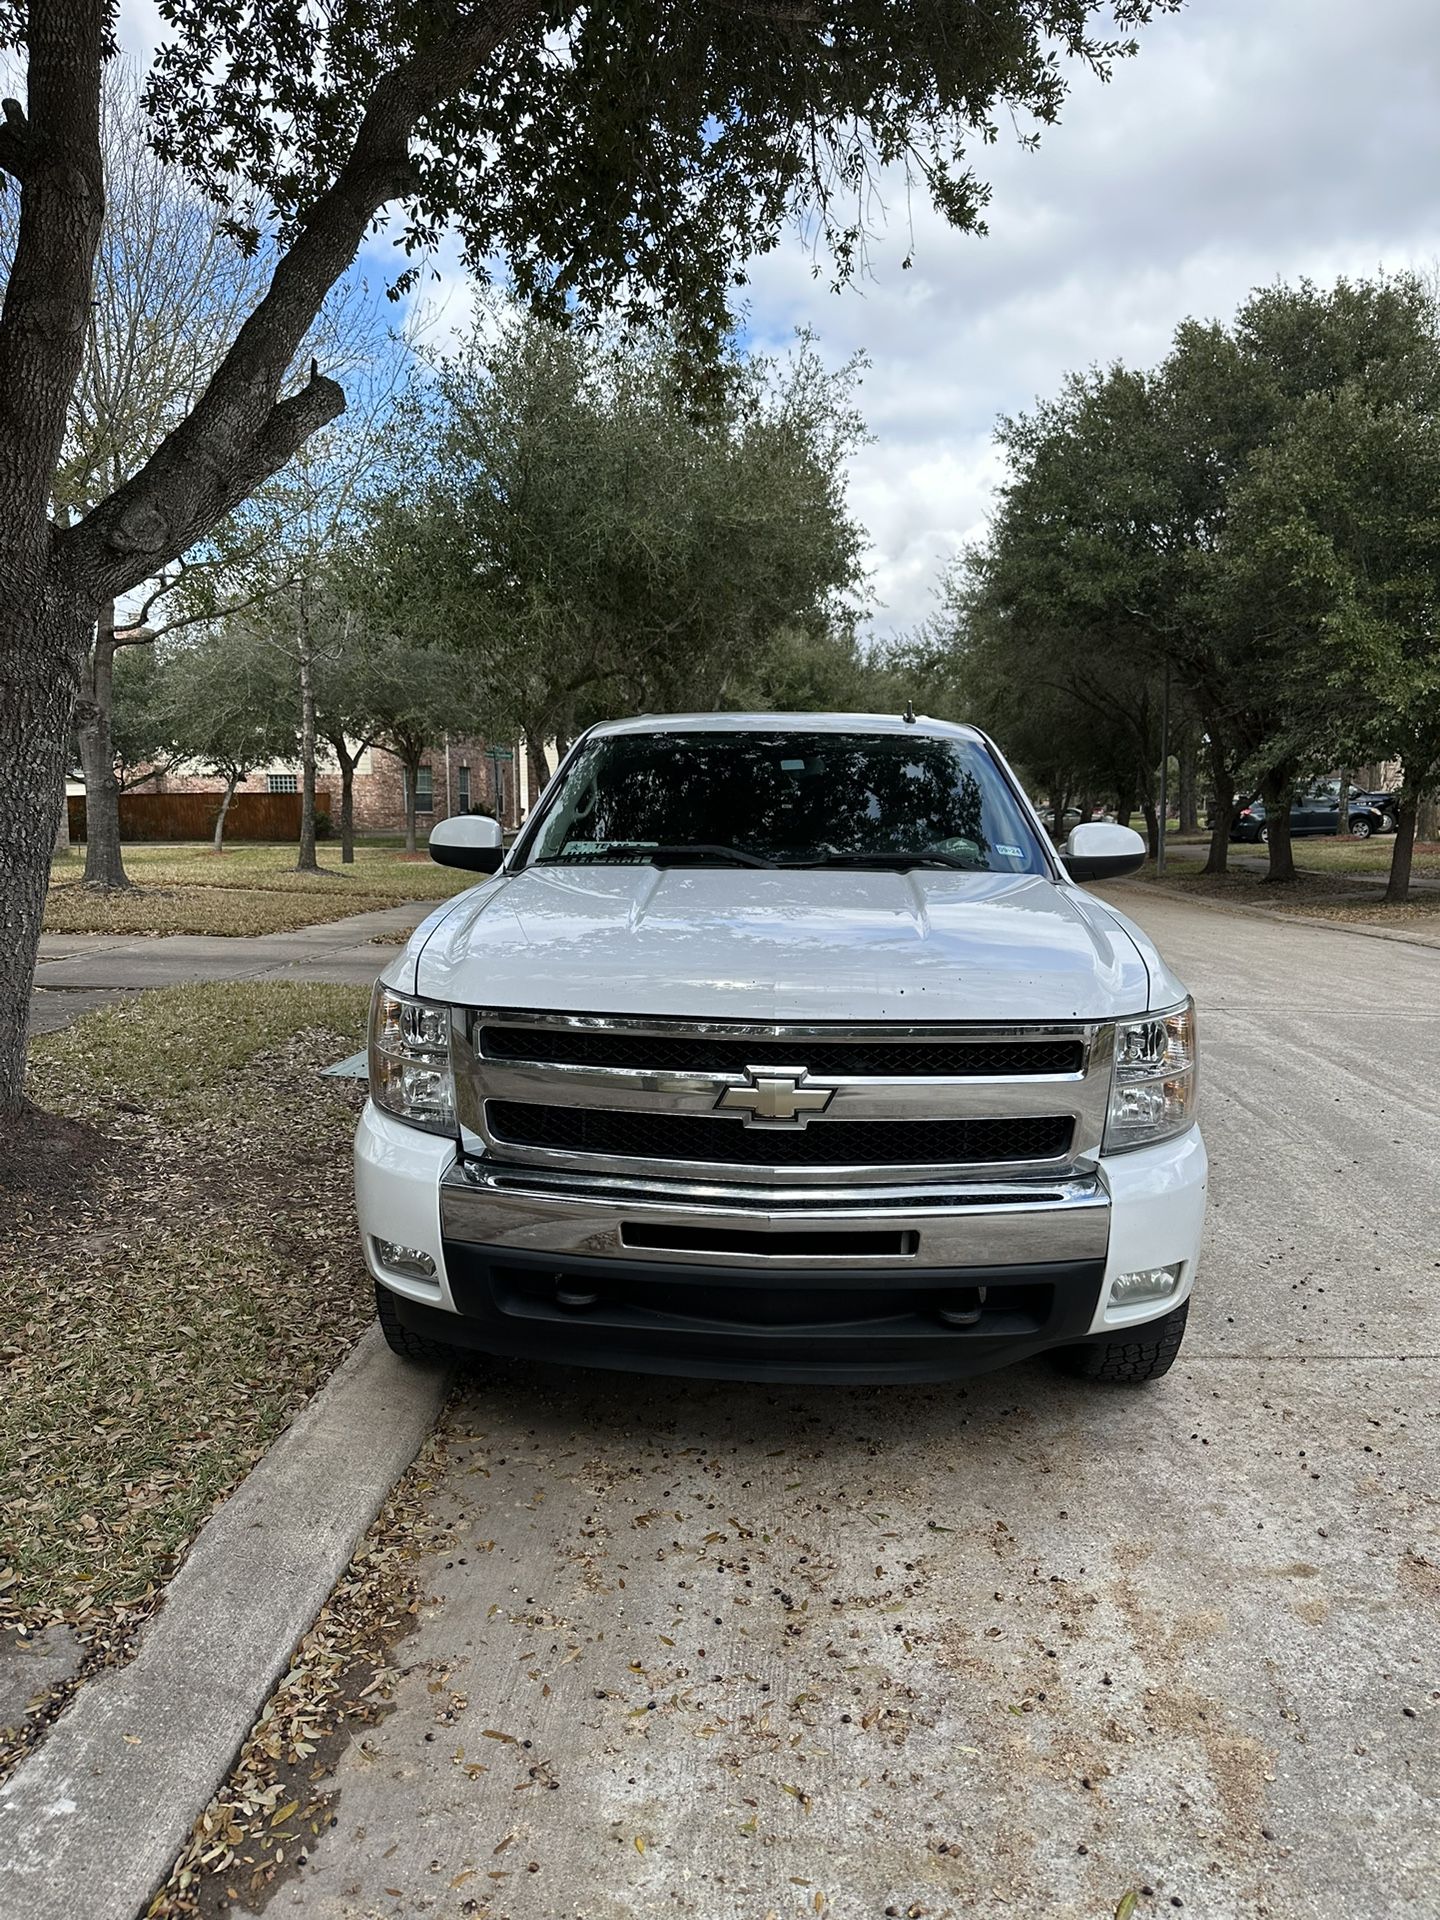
[777,1097]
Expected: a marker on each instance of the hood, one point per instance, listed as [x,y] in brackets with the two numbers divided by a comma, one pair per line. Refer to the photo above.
[739,944]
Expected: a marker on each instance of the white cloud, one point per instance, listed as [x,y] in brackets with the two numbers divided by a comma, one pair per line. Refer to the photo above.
[1244,144]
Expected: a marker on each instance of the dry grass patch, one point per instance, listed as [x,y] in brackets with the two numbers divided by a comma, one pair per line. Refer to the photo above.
[245,891]
[1362,856]
[229,912]
[173,1299]
[1326,896]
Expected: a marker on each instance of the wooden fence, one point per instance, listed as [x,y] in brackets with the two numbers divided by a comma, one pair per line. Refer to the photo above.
[191,816]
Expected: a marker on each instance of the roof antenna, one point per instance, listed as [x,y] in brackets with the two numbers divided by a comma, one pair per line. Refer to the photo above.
[909,714]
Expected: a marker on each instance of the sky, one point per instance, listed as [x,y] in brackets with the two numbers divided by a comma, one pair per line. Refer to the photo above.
[1249,141]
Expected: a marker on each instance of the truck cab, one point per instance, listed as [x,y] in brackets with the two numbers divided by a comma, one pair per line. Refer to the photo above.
[784,1047]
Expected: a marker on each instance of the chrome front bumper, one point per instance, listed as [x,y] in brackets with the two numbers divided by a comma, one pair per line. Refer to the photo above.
[654,1276]
[975,1224]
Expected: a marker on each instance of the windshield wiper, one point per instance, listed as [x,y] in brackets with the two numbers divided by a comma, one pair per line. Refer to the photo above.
[898,861]
[675,856]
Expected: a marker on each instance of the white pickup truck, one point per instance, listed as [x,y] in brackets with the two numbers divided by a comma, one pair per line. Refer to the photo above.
[783,1046]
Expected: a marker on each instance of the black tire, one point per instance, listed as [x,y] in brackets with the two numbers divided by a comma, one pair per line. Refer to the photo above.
[1139,1354]
[1360,829]
[1263,836]
[404,1340]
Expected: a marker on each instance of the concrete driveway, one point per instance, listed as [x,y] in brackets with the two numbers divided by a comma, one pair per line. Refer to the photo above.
[1025,1648]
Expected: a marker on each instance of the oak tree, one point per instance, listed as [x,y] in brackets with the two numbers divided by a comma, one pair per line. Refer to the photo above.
[631,155]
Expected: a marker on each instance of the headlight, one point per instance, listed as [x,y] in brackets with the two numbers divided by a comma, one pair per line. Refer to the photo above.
[1152,1094]
[410,1060]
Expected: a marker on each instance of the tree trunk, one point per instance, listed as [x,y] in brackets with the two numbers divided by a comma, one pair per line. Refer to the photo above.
[1276,792]
[1222,816]
[412,775]
[1146,790]
[347,807]
[307,862]
[1152,828]
[44,639]
[1124,809]
[1397,888]
[1425,821]
[104,866]
[218,844]
[1059,799]
[347,763]
[539,772]
[1342,811]
[62,827]
[1188,811]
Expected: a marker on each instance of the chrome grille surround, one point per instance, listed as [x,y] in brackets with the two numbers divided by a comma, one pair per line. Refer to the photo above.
[1082,1096]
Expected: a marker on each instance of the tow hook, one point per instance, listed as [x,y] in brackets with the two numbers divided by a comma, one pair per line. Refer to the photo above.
[963,1309]
[573,1299]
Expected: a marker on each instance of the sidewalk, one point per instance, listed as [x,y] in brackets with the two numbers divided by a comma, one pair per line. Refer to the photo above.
[78,971]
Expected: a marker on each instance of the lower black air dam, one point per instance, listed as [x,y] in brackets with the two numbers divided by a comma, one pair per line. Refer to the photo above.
[751,1323]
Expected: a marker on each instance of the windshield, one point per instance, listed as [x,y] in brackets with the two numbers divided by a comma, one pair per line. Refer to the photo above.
[786,799]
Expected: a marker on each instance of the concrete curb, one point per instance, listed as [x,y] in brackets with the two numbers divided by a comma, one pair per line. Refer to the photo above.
[91,1821]
[1157,888]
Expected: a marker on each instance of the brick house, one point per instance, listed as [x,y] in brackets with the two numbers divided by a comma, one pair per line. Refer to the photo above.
[456,776]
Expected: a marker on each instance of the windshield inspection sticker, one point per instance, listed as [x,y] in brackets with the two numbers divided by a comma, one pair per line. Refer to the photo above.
[608,846]
[1015,853]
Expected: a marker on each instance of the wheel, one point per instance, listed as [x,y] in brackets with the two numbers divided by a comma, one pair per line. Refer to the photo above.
[404,1340]
[1360,829]
[1264,836]
[1135,1355]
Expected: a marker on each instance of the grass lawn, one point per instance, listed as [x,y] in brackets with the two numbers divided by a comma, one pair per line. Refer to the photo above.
[1349,856]
[1332,895]
[249,889]
[180,1273]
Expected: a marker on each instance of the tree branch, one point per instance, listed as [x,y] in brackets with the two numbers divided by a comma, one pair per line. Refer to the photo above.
[140,634]
[168,581]
[16,141]
[141,535]
[239,433]
[47,290]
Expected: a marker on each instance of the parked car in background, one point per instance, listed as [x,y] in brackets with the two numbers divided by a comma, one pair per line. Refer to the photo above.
[1386,804]
[1070,818]
[1314,812]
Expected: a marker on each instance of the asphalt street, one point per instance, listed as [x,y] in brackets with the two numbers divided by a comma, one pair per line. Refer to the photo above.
[1025,1647]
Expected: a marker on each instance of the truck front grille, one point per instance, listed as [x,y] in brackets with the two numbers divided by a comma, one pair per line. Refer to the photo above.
[726,1141]
[783,1104]
[707,1053]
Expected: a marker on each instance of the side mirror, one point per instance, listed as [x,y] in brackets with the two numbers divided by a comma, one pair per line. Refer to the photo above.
[1103,850]
[469,840]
